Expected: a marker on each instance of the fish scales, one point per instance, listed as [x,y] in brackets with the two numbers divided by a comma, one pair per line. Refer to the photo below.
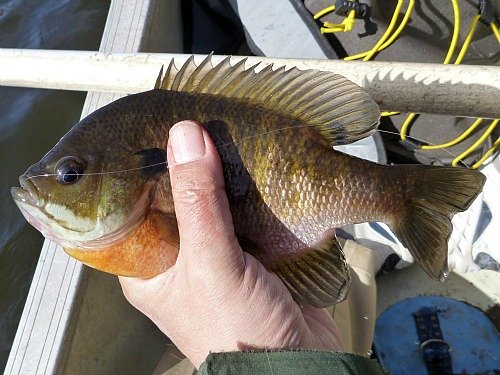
[103,192]
[275,165]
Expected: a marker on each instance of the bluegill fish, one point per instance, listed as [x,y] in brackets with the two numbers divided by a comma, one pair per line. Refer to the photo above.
[103,192]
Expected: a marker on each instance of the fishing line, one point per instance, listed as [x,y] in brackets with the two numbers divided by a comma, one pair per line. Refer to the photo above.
[102,173]
[423,141]
[229,144]
[162,163]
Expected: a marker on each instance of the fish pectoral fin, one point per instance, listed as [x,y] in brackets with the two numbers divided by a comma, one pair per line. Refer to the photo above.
[337,108]
[319,277]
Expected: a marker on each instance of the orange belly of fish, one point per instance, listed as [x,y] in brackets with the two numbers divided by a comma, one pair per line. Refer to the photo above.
[147,251]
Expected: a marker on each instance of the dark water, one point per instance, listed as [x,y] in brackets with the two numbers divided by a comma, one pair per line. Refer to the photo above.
[31,122]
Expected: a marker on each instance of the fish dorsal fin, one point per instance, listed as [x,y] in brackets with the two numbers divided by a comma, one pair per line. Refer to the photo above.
[339,109]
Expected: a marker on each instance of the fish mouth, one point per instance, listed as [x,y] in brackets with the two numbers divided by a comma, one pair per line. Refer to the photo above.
[27,193]
[38,212]
[32,206]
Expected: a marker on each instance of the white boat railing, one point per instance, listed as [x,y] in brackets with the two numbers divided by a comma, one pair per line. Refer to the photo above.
[459,90]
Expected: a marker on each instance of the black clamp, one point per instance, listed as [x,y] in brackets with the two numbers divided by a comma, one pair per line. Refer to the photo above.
[343,7]
[487,12]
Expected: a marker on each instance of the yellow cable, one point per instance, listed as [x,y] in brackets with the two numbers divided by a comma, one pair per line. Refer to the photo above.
[459,59]
[495,31]
[368,54]
[388,32]
[346,25]
[349,21]
[389,113]
[398,31]
[456,32]
[449,55]
[321,13]
[486,155]
[468,39]
[406,125]
[476,123]
[457,140]
[331,28]
[475,144]
[383,43]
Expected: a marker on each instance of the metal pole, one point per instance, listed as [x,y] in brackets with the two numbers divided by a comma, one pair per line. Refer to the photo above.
[459,90]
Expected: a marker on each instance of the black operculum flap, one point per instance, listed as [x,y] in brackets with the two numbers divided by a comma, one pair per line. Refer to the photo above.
[153,162]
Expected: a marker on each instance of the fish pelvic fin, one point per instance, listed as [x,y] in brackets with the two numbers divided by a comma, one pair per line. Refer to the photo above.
[319,277]
[337,108]
[425,225]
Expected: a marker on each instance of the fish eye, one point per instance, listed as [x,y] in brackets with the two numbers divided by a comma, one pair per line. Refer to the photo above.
[69,170]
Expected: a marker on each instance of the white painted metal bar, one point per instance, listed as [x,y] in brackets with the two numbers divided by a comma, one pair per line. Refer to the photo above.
[460,90]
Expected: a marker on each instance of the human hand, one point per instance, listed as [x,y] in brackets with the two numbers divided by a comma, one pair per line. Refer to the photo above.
[217,298]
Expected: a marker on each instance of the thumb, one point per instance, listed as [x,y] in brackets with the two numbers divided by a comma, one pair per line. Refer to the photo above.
[205,224]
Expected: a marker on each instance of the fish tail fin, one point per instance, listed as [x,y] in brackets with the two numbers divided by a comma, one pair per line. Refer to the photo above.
[424,226]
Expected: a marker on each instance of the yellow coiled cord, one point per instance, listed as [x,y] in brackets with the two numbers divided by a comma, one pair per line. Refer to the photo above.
[388,39]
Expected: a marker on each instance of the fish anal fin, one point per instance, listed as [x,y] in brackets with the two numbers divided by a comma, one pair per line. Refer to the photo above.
[319,276]
[337,108]
[149,250]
